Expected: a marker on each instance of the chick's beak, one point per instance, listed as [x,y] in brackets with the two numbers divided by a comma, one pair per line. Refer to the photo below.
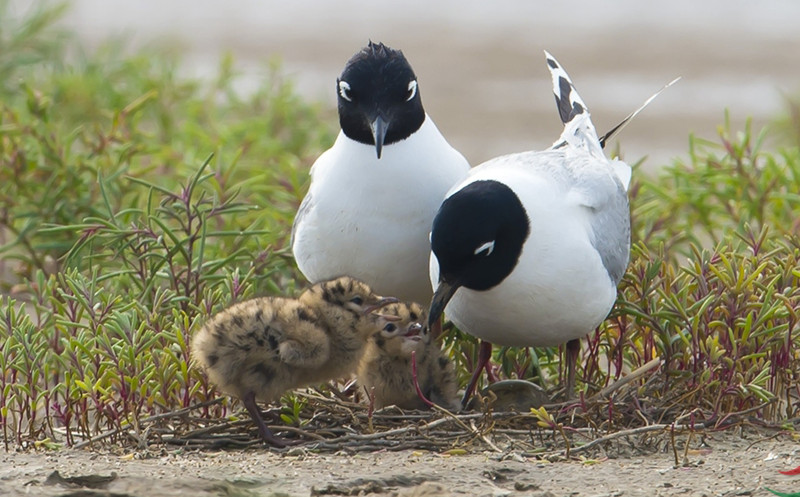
[379,127]
[414,329]
[382,302]
[444,292]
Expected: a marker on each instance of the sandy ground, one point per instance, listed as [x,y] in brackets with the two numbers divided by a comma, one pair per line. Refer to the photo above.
[722,464]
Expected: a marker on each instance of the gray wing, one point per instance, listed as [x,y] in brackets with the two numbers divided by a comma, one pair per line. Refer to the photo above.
[305,207]
[610,218]
[611,234]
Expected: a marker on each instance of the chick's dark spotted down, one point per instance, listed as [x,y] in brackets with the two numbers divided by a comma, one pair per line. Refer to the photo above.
[385,370]
[260,348]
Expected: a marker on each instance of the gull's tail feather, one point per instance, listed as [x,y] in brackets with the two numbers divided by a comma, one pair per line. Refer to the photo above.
[568,101]
[579,132]
[619,127]
[622,170]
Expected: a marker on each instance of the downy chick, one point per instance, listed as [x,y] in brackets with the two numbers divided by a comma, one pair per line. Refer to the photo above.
[385,369]
[258,349]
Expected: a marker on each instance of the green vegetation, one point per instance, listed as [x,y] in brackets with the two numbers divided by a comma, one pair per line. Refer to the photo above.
[135,203]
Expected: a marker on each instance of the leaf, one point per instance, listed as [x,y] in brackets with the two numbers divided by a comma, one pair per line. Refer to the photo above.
[456,452]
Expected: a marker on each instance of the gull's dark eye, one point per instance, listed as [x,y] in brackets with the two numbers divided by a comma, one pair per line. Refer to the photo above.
[357,300]
[412,89]
[390,327]
[344,91]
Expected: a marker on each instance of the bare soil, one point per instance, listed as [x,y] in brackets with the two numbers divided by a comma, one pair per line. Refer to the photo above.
[724,463]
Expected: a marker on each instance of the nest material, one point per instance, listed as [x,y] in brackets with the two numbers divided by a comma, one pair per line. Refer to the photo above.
[331,422]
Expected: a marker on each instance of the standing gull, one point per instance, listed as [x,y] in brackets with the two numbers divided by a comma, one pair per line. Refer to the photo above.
[374,193]
[528,249]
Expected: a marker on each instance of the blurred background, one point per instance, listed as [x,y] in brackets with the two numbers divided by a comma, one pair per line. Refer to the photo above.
[480,64]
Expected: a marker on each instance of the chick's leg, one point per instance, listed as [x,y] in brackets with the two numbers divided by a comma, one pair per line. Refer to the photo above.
[266,434]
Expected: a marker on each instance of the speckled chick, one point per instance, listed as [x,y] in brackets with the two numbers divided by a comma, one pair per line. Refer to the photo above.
[258,349]
[385,370]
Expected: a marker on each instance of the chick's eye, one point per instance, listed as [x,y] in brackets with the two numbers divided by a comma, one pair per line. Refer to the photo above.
[390,327]
[357,300]
[412,89]
[344,91]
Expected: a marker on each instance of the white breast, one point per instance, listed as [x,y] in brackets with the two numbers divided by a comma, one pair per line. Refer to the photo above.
[370,218]
[560,289]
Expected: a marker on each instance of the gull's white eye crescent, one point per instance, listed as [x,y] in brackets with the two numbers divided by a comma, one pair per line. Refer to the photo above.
[344,90]
[412,89]
[487,247]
